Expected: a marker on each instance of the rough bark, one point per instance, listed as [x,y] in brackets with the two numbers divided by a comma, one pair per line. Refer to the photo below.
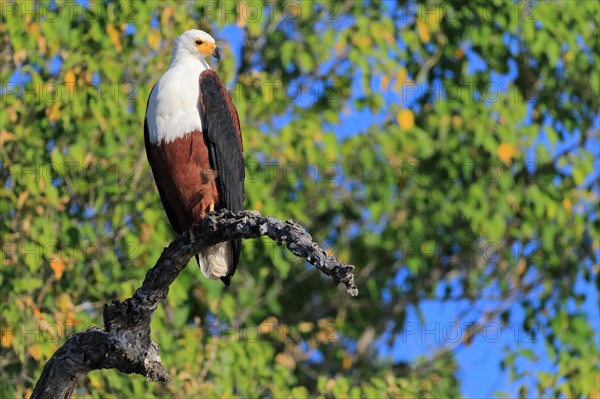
[125,342]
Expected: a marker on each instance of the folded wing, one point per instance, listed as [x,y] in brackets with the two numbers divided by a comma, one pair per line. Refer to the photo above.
[221,128]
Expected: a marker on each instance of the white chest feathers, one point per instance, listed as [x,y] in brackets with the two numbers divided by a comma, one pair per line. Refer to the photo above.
[173,109]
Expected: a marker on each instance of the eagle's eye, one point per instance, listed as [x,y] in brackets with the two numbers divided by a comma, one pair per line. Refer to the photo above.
[198,42]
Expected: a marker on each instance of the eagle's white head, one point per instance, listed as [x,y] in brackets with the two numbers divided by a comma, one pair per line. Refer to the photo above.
[194,44]
[173,104]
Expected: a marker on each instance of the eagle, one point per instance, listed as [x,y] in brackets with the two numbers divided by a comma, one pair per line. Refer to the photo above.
[194,146]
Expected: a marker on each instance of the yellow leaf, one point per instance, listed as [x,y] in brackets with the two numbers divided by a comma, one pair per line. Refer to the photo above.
[568,205]
[58,266]
[267,325]
[339,46]
[71,321]
[385,82]
[12,114]
[456,121]
[423,31]
[147,232]
[243,10]
[330,385]
[22,198]
[285,360]
[406,119]
[568,57]
[32,27]
[362,42]
[400,80]
[347,362]
[166,14]
[53,113]
[282,332]
[7,337]
[115,37]
[28,302]
[34,351]
[506,152]
[154,39]
[70,81]
[305,326]
[64,302]
[41,43]
[49,329]
[318,137]
[6,136]
[19,56]
[521,267]
[388,37]
[96,381]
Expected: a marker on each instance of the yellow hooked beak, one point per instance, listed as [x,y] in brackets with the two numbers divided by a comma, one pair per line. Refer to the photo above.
[208,48]
[216,53]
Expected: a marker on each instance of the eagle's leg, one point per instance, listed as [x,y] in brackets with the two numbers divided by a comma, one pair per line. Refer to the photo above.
[211,208]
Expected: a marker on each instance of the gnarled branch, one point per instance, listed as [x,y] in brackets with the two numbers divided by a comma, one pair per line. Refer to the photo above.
[125,342]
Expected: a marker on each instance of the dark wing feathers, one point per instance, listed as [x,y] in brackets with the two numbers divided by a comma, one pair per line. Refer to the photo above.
[221,127]
[168,209]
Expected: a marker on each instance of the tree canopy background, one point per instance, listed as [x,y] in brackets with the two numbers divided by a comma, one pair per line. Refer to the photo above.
[448,150]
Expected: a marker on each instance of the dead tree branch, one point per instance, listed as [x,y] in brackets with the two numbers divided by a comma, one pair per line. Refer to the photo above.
[125,342]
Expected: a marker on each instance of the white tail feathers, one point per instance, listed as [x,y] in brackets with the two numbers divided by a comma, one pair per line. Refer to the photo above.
[215,261]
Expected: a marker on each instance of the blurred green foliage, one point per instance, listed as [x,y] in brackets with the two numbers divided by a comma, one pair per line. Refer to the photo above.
[82,220]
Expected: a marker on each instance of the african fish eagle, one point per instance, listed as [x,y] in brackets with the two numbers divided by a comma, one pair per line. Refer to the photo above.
[194,146]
